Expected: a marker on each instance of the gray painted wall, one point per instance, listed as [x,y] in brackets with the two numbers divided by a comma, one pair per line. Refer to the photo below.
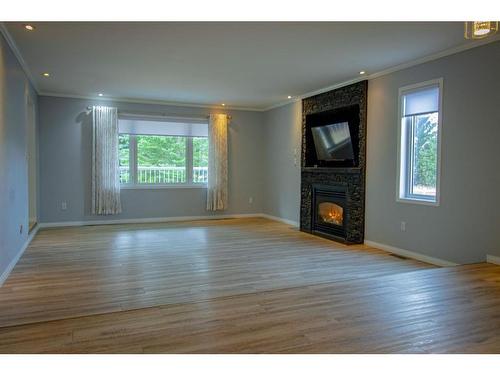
[465,227]
[283,127]
[65,165]
[13,163]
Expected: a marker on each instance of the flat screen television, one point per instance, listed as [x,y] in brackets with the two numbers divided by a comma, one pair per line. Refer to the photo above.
[333,142]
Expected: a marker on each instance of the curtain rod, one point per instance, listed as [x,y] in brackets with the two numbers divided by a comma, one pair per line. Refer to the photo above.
[162,114]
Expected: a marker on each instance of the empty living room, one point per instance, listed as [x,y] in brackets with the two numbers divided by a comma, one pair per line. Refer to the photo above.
[223,183]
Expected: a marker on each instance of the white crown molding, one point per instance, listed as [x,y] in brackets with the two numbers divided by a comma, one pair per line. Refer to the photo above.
[13,46]
[148,101]
[447,52]
[436,56]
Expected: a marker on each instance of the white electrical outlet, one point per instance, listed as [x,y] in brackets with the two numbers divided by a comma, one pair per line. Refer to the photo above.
[403,226]
[64,206]
[250,200]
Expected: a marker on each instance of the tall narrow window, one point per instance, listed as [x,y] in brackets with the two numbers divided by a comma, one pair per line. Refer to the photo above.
[124,158]
[157,151]
[420,131]
[200,159]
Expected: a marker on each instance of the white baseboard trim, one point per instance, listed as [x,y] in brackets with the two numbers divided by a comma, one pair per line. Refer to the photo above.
[411,254]
[14,261]
[493,259]
[280,219]
[162,220]
[144,220]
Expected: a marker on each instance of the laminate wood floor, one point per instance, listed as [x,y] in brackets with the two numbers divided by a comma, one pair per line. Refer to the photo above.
[245,285]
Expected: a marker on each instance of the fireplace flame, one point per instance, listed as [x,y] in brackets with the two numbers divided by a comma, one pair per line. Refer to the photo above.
[335,217]
[331,213]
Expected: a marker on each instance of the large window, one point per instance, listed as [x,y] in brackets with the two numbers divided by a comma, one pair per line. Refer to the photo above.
[420,132]
[160,152]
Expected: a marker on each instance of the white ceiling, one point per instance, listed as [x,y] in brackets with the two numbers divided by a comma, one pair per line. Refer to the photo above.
[251,65]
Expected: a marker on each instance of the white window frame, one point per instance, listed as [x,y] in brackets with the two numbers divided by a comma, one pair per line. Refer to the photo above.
[133,168]
[402,173]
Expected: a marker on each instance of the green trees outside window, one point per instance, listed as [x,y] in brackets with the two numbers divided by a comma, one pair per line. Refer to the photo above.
[124,158]
[158,159]
[425,136]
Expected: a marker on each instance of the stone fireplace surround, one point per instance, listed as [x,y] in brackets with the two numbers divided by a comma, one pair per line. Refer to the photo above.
[350,179]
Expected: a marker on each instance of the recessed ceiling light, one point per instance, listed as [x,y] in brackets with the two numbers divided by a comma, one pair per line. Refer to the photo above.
[29,27]
[46,74]
[362,72]
[289,97]
[223,104]
[100,94]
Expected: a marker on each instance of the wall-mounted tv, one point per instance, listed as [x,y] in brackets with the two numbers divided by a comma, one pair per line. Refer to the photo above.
[333,142]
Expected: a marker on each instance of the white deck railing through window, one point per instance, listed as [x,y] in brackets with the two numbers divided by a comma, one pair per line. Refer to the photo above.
[163,175]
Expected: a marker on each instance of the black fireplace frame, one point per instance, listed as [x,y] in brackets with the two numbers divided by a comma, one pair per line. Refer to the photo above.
[334,194]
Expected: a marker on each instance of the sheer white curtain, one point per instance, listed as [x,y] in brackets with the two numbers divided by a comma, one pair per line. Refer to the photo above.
[105,167]
[217,163]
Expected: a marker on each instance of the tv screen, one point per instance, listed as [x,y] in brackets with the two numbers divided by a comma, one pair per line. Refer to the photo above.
[333,142]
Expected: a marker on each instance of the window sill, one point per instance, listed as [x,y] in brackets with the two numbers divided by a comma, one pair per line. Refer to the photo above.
[163,186]
[418,201]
